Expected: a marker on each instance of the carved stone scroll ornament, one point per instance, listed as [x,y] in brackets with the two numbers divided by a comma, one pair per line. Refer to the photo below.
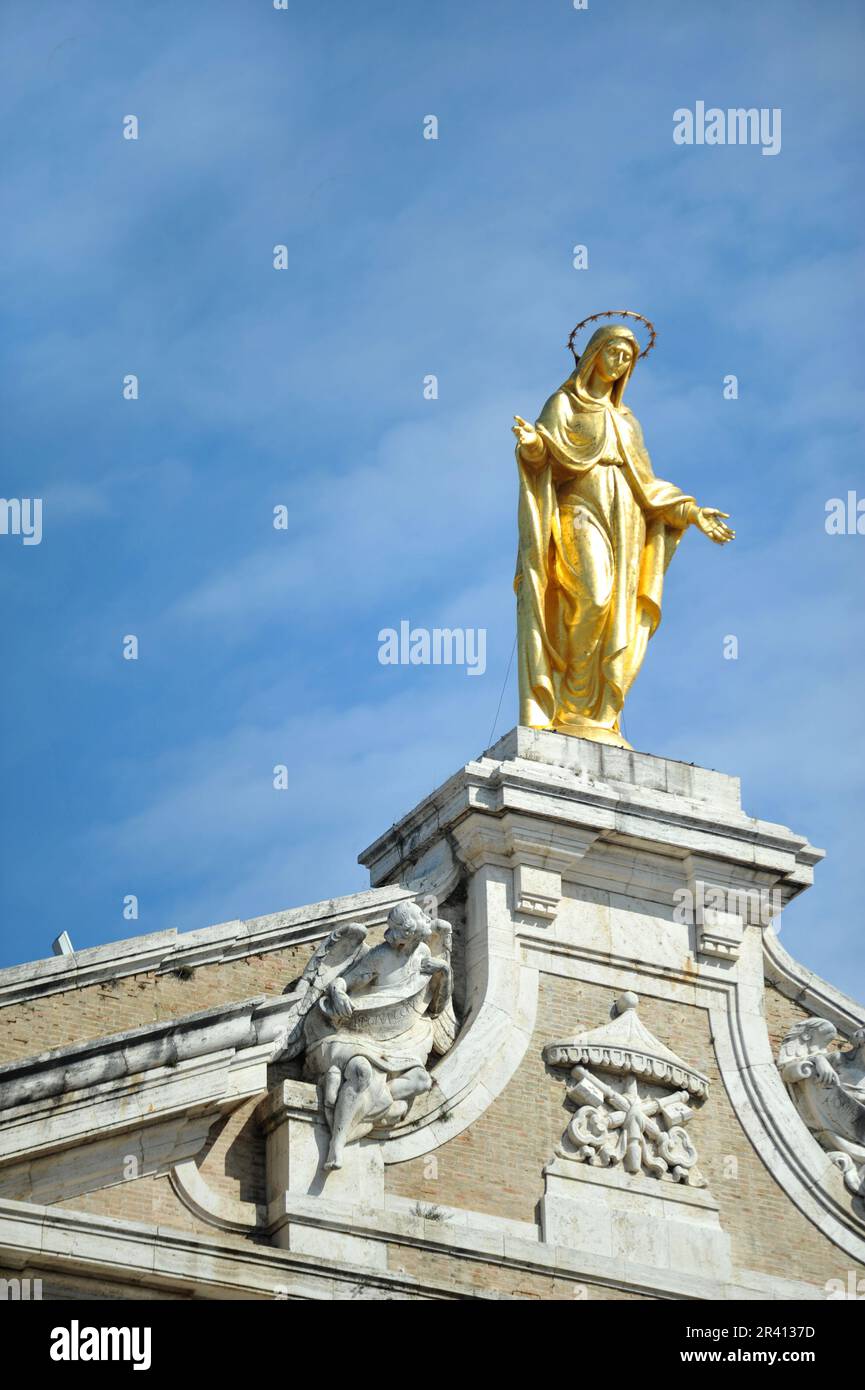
[828,1090]
[631,1095]
[367,1019]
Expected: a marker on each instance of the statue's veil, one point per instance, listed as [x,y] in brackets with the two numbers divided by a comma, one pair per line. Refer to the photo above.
[578,381]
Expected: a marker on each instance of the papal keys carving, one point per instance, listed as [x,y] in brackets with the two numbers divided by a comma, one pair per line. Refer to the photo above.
[632,1099]
[367,1019]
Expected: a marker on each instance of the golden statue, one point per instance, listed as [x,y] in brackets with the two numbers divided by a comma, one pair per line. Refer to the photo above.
[597,532]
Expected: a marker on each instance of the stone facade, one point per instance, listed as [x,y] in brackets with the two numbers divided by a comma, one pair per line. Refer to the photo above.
[602,1114]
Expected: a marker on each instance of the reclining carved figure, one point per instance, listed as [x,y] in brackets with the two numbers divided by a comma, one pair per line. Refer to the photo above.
[828,1089]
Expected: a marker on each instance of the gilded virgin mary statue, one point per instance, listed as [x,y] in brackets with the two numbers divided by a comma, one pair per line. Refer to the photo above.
[597,531]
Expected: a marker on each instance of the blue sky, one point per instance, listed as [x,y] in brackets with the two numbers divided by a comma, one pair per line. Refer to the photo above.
[303,387]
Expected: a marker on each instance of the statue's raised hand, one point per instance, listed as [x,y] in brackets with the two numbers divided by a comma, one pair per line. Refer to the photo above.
[432,966]
[824,1073]
[446,932]
[530,441]
[713,524]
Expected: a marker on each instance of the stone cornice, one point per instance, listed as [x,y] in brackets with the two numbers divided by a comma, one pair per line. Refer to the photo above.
[224,1266]
[795,981]
[592,792]
[73,1242]
[48,1075]
[165,951]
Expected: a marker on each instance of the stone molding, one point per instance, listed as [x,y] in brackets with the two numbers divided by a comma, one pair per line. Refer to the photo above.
[795,981]
[216,1208]
[101,1098]
[607,792]
[228,1267]
[107,1160]
[165,951]
[166,1044]
[161,1257]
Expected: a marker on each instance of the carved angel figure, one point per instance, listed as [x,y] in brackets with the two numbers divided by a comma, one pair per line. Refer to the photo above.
[367,1019]
[828,1089]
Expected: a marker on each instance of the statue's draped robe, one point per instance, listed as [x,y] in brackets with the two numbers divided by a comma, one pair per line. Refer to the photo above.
[597,531]
[391,1025]
[835,1113]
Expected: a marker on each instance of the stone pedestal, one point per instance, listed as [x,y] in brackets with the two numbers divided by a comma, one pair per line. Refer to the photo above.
[297,1140]
[554,810]
[638,1221]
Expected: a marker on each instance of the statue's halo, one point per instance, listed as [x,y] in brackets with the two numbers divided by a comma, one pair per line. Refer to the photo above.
[614,314]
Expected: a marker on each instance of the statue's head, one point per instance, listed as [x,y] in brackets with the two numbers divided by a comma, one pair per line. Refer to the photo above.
[407,925]
[611,354]
[805,1037]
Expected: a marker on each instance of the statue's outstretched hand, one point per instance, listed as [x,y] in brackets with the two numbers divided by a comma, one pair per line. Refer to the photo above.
[528,436]
[713,524]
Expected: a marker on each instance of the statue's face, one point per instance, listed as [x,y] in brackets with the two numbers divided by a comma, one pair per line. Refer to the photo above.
[820,1034]
[614,360]
[403,934]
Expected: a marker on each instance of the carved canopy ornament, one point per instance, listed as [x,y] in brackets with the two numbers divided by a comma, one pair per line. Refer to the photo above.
[625,1047]
[638,1122]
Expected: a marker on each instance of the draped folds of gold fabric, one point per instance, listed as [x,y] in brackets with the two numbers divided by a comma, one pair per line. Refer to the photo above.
[597,531]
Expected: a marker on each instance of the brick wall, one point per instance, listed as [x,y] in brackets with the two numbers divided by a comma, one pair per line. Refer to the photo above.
[93,1011]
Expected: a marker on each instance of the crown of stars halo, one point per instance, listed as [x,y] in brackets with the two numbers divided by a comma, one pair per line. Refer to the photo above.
[614,314]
